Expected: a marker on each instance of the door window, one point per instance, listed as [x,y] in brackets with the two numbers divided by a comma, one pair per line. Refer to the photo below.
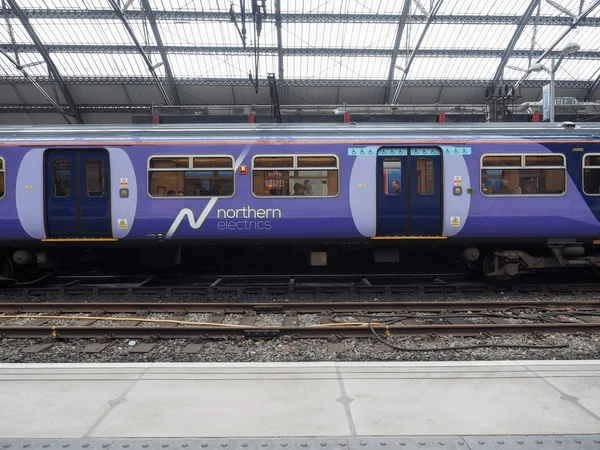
[392,176]
[61,178]
[425,176]
[94,177]
[2,186]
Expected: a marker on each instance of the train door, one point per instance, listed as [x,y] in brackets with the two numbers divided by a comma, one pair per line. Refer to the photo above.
[77,194]
[409,192]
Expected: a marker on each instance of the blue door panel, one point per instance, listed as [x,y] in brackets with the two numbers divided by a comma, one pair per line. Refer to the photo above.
[94,194]
[392,196]
[409,200]
[426,199]
[77,194]
[61,194]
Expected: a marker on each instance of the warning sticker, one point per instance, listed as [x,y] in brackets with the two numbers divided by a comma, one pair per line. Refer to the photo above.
[455,221]
[124,183]
[122,224]
[457,180]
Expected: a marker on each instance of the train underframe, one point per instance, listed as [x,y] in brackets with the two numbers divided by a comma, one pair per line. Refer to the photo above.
[500,262]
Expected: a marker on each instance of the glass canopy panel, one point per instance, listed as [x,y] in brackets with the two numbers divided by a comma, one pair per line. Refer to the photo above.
[483,7]
[217,65]
[24,59]
[102,65]
[545,36]
[569,69]
[337,35]
[64,4]
[192,5]
[570,5]
[323,67]
[19,33]
[342,7]
[82,31]
[208,33]
[452,68]
[468,36]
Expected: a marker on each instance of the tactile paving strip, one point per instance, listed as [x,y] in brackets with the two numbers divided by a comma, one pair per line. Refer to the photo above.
[554,442]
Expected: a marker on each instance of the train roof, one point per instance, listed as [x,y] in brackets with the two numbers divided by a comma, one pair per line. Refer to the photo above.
[238,132]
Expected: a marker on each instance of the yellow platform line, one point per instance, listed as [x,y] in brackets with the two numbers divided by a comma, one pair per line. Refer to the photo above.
[80,240]
[408,238]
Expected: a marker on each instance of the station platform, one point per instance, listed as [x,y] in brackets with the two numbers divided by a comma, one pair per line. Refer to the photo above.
[243,406]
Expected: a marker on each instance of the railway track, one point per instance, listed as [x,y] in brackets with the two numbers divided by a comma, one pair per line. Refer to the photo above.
[300,320]
[381,284]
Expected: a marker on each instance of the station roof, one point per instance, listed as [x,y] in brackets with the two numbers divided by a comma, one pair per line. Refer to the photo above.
[99,59]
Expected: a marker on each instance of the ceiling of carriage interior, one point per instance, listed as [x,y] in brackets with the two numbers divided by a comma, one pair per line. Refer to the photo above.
[99,61]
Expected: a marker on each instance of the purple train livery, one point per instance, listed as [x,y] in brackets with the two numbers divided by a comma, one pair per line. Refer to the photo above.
[512,197]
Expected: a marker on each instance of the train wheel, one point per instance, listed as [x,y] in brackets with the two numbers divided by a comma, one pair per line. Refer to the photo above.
[7,270]
[505,278]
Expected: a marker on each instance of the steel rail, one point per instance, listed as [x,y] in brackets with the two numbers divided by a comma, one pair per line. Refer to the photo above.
[304,288]
[314,332]
[288,307]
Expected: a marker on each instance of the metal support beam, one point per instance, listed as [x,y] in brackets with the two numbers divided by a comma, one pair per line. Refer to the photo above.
[39,48]
[290,83]
[592,90]
[280,50]
[35,84]
[399,33]
[550,50]
[575,22]
[138,47]
[292,51]
[513,41]
[161,49]
[430,18]
[197,15]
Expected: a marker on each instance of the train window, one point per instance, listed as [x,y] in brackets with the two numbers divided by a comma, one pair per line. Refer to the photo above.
[2,179]
[310,175]
[501,161]
[94,177]
[197,176]
[544,160]
[213,163]
[591,160]
[61,178]
[425,176]
[392,176]
[170,163]
[591,174]
[535,175]
[317,161]
[270,162]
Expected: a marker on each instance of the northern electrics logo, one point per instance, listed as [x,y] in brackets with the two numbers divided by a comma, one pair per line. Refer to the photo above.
[231,219]
[246,218]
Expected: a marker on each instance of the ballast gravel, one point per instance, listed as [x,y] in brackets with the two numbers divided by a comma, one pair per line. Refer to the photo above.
[578,347]
[269,320]
[228,297]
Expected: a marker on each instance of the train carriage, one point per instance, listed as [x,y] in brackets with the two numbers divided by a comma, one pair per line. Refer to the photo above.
[513,198]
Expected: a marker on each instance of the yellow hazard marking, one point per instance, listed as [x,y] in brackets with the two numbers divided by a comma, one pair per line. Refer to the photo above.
[406,238]
[79,240]
[122,223]
[455,221]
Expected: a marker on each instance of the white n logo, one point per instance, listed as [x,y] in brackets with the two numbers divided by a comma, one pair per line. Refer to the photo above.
[194,224]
